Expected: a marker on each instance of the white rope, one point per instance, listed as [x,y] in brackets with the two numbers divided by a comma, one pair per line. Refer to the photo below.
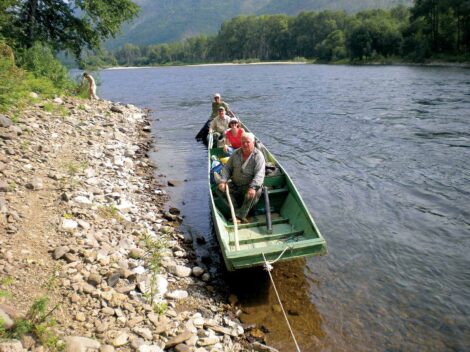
[268,267]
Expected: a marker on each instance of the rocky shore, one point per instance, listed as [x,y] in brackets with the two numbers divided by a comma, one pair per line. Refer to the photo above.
[89,257]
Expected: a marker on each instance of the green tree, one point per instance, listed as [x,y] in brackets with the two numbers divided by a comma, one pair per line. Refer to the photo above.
[128,54]
[66,24]
[333,47]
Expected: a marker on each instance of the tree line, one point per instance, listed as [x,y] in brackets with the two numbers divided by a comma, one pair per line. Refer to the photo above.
[33,31]
[437,29]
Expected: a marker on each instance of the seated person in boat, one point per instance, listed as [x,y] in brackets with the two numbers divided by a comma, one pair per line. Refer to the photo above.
[246,168]
[233,136]
[217,103]
[218,126]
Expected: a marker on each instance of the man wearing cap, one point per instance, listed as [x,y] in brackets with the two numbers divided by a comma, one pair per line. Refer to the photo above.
[217,103]
[246,169]
[218,126]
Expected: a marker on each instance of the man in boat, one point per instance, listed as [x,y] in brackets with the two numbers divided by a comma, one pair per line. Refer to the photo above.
[246,168]
[217,103]
[218,126]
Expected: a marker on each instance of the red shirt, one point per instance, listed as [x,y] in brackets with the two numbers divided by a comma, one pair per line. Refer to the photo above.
[235,141]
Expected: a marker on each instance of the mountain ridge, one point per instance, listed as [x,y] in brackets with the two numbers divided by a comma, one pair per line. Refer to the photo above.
[162,21]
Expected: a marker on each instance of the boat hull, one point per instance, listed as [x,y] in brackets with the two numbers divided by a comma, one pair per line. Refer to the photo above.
[293,233]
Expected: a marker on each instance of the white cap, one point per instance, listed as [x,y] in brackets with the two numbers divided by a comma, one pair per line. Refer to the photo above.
[233,119]
[217,95]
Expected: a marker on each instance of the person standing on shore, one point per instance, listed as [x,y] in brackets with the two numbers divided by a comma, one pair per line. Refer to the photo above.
[217,103]
[91,86]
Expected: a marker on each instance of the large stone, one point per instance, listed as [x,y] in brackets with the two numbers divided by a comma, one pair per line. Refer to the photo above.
[182,348]
[59,252]
[80,344]
[36,184]
[121,339]
[206,277]
[177,294]
[80,316]
[4,187]
[5,121]
[208,341]
[143,332]
[82,200]
[116,109]
[161,322]
[94,279]
[6,320]
[108,311]
[150,348]
[197,271]
[69,225]
[257,346]
[136,342]
[107,348]
[176,340]
[222,330]
[179,270]
[136,253]
[11,346]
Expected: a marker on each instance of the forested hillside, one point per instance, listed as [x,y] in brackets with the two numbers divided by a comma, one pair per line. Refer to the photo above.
[293,7]
[163,21]
[429,30]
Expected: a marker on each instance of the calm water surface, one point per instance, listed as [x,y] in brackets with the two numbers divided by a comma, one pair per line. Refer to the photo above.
[381,155]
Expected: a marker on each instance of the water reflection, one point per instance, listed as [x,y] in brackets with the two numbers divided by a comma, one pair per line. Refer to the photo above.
[260,305]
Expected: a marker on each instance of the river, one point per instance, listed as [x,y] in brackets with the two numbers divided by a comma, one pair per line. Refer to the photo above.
[380,155]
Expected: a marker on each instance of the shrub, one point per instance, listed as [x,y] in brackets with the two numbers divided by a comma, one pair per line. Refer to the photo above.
[36,70]
[40,61]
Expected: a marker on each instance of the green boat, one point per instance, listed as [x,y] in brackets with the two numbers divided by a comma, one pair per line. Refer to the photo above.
[285,232]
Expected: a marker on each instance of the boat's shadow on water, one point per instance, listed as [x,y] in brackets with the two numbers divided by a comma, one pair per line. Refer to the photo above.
[260,306]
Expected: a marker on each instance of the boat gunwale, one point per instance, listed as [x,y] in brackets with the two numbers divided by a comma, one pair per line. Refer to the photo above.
[230,255]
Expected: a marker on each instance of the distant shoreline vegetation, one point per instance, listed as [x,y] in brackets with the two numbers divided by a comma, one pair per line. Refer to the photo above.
[429,32]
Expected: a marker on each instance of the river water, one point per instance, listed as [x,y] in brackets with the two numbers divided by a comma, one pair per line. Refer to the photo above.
[381,156]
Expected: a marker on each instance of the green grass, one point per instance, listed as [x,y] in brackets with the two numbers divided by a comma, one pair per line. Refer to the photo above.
[7,281]
[110,212]
[74,168]
[38,322]
[160,308]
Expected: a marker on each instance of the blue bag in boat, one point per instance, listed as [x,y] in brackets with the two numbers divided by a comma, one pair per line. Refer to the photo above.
[216,167]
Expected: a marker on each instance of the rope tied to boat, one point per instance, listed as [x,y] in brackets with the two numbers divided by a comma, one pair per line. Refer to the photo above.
[268,266]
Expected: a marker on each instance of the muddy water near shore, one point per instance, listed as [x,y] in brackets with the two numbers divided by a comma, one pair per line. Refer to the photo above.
[380,156]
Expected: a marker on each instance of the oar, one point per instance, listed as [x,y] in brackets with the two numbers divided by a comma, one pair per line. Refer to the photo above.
[234,218]
[210,142]
[267,207]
